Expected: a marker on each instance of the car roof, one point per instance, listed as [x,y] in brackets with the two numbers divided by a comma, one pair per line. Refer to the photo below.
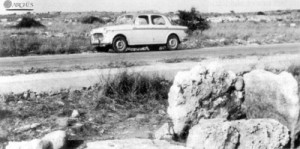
[136,14]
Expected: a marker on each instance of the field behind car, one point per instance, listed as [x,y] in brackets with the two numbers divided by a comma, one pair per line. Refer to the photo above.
[64,33]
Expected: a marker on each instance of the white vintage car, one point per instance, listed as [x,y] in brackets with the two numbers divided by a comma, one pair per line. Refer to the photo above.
[136,30]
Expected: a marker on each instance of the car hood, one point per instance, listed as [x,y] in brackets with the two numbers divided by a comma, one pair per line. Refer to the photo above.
[112,28]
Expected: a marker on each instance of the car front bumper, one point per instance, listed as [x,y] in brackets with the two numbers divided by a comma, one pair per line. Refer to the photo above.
[100,42]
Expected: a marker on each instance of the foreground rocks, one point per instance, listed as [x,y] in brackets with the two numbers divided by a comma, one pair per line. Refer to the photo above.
[273,96]
[133,144]
[242,134]
[53,140]
[204,93]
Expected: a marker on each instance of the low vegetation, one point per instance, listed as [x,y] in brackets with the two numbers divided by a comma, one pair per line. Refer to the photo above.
[77,67]
[193,20]
[179,60]
[91,20]
[28,22]
[69,33]
[103,107]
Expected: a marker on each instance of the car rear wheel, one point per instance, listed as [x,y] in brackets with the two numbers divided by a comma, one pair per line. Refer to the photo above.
[154,48]
[172,42]
[119,44]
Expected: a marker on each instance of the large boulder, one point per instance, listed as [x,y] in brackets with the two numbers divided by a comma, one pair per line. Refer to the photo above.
[133,144]
[268,95]
[32,144]
[204,93]
[241,134]
[56,138]
[53,140]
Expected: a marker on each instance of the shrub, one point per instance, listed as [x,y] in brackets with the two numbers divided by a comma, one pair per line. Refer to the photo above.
[193,20]
[91,20]
[260,13]
[28,22]
[136,88]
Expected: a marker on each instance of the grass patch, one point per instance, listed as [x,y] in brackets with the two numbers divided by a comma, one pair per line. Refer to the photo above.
[136,87]
[34,70]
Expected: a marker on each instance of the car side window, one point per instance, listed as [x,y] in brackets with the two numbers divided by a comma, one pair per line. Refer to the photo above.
[143,20]
[126,19]
[158,20]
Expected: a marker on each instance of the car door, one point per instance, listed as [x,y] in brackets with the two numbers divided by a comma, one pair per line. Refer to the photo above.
[142,33]
[160,29]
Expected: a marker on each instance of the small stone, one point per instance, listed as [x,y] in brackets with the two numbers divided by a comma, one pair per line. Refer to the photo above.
[161,112]
[32,95]
[75,114]
[164,132]
[239,95]
[35,125]
[60,103]
[77,126]
[140,116]
[62,122]
[239,84]
[23,128]
[25,95]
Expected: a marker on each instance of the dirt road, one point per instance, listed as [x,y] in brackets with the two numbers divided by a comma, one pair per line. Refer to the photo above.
[273,56]
[89,59]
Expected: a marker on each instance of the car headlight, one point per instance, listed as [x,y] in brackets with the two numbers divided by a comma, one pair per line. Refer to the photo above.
[98,36]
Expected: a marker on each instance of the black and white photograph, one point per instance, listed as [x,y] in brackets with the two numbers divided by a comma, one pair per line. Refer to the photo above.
[149,74]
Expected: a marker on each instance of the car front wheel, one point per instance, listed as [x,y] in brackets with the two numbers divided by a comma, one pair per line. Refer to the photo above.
[119,44]
[172,42]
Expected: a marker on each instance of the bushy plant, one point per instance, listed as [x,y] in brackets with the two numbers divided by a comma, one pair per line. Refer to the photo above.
[260,13]
[137,88]
[91,20]
[193,20]
[28,22]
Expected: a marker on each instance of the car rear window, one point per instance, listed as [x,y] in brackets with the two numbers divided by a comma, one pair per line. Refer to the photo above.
[143,20]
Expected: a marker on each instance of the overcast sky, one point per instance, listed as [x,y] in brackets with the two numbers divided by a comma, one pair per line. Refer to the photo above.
[160,5]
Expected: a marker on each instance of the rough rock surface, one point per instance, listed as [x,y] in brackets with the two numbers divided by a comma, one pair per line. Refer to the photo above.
[33,144]
[269,95]
[133,144]
[204,93]
[241,134]
[53,140]
[164,132]
[57,139]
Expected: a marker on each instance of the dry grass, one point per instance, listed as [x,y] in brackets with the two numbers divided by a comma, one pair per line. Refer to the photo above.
[243,33]
[56,38]
[75,35]
[103,107]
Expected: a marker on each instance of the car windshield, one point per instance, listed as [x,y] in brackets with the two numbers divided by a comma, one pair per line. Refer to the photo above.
[125,19]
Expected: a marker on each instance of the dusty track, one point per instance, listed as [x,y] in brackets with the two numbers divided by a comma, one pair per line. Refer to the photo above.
[64,61]
[274,56]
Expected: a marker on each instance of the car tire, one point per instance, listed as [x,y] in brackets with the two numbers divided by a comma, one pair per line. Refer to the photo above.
[172,42]
[154,48]
[119,44]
